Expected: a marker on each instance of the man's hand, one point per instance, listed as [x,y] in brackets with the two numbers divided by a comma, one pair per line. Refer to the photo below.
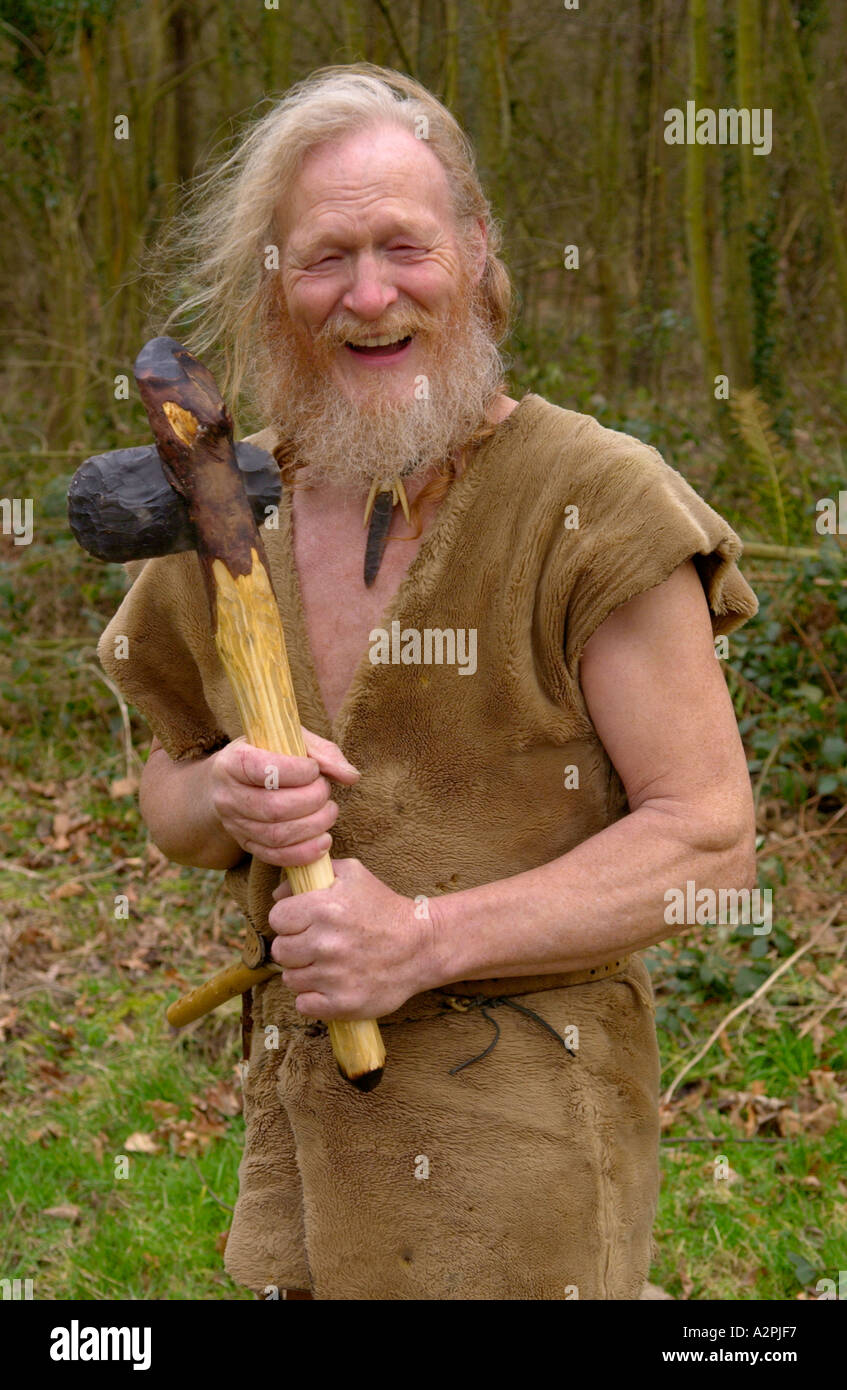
[353,950]
[276,807]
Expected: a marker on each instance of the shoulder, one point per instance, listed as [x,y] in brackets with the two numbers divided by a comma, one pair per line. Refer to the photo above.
[587,447]
[625,489]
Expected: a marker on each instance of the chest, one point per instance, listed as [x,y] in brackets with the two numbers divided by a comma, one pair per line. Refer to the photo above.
[340,611]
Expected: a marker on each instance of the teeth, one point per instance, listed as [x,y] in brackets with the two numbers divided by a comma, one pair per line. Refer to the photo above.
[377,342]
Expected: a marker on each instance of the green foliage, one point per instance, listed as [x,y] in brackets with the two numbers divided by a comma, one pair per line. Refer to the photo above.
[788,676]
[812,20]
[730,965]
[776,1228]
[763,260]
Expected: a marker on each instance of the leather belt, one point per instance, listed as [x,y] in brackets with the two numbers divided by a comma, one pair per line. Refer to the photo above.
[531,984]
[256,952]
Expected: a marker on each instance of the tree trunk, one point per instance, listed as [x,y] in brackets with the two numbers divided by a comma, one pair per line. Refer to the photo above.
[606,163]
[821,155]
[182,98]
[699,254]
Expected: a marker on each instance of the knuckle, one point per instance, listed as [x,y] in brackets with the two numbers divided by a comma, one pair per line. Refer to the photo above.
[280,834]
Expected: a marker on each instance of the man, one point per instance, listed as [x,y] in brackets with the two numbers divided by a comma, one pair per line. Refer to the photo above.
[513,808]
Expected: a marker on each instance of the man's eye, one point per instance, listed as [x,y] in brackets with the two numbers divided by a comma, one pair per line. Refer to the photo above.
[326,260]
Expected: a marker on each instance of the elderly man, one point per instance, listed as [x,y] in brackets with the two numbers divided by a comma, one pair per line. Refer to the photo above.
[505,829]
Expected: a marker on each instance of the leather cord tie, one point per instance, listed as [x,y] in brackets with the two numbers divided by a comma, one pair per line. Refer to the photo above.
[483,1003]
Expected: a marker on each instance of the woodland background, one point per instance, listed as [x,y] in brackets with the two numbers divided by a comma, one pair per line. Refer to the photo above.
[695,261]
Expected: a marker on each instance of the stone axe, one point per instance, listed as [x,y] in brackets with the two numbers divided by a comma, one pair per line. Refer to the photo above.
[212,513]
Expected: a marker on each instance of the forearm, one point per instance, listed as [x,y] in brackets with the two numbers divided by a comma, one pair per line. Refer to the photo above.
[176,804]
[603,899]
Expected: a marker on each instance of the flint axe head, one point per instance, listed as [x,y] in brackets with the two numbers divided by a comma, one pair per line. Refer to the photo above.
[121,506]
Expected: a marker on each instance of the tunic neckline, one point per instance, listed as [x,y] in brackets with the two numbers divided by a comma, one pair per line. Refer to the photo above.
[455,498]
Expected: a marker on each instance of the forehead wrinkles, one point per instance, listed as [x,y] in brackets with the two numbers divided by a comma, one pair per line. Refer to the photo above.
[373,214]
[354,177]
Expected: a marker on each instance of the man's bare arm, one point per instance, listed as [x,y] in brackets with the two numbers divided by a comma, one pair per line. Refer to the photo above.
[659,702]
[176,804]
[211,811]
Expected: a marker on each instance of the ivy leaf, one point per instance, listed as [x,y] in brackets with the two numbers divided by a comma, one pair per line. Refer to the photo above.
[834,751]
[747,980]
[803,1271]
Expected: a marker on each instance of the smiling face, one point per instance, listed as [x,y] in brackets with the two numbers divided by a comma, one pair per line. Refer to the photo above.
[371,260]
[383,358]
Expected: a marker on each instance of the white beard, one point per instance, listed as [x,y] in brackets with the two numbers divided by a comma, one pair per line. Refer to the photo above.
[350,443]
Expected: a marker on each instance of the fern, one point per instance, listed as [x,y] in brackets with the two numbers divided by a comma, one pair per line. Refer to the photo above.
[753,423]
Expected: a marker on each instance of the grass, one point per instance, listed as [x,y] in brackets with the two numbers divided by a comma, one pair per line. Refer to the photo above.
[128,1225]
[90,1064]
[751,1220]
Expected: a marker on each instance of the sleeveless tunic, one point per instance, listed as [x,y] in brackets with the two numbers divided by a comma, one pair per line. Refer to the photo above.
[532,1174]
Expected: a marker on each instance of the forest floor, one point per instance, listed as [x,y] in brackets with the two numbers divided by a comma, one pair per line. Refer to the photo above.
[121,1140]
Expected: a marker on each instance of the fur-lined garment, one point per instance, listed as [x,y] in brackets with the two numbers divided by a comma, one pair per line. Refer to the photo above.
[532,1173]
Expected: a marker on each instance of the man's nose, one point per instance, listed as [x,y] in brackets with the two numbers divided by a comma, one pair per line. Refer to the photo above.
[371,291]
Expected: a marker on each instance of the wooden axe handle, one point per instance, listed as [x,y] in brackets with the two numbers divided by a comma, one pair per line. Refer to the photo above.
[193,432]
[251,645]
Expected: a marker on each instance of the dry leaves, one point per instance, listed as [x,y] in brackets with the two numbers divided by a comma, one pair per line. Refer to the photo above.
[140,1143]
[687,1100]
[64,826]
[71,889]
[67,1212]
[7,1023]
[757,1114]
[209,1118]
[44,1134]
[123,786]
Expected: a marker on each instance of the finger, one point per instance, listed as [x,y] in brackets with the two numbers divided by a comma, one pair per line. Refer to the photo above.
[292,856]
[287,833]
[313,1005]
[283,891]
[261,768]
[329,757]
[287,804]
[276,832]
[293,916]
[348,867]
[293,952]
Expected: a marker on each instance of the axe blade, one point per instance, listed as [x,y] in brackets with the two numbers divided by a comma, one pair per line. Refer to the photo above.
[121,506]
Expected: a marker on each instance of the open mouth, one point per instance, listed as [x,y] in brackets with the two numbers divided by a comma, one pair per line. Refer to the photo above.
[380,347]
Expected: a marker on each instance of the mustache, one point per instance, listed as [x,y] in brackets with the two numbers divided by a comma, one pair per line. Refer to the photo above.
[343,328]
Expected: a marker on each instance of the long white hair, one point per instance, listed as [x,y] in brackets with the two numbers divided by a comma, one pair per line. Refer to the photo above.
[213,256]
